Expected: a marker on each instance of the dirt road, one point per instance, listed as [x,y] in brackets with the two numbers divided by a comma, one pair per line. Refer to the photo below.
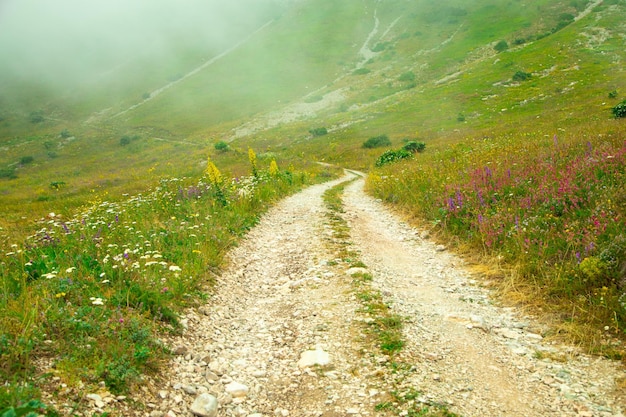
[285,334]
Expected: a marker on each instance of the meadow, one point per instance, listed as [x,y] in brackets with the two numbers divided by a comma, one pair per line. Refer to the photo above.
[92,297]
[551,209]
[111,226]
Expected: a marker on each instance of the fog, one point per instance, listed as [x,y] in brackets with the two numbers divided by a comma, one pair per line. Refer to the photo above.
[66,41]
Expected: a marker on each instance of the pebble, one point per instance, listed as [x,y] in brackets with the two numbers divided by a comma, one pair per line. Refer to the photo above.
[205,405]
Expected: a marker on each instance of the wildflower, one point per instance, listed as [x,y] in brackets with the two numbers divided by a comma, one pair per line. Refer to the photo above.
[105,281]
[214,174]
[252,159]
[96,301]
[59,295]
[273,168]
[174,268]
[70,270]
[164,290]
[50,275]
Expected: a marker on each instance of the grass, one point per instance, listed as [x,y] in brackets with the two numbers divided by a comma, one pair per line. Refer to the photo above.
[551,208]
[94,294]
[551,213]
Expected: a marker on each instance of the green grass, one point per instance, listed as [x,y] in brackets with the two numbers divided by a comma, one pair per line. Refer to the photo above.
[95,292]
[311,50]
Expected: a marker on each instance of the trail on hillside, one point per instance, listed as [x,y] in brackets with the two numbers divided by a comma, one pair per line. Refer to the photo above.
[155,93]
[284,334]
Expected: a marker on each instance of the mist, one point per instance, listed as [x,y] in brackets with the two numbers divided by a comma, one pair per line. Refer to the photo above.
[64,42]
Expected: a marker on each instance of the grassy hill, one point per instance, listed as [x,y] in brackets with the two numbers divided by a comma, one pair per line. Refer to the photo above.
[513,101]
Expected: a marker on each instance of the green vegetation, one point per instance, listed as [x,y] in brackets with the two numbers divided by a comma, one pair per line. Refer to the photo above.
[221,146]
[318,131]
[531,180]
[377,142]
[619,110]
[391,156]
[97,290]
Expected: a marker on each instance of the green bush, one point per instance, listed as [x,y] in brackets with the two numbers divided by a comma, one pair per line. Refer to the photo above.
[407,76]
[393,156]
[221,146]
[25,160]
[65,134]
[127,139]
[613,94]
[361,71]
[501,46]
[8,173]
[414,146]
[377,142]
[619,110]
[36,116]
[318,131]
[521,76]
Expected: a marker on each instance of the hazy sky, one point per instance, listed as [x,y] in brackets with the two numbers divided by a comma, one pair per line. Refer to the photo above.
[52,38]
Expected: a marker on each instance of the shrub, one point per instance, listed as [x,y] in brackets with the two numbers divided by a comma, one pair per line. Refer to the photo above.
[8,173]
[25,160]
[501,46]
[521,76]
[221,146]
[414,146]
[318,131]
[361,71]
[393,156]
[127,139]
[36,116]
[65,134]
[407,76]
[619,110]
[613,94]
[377,142]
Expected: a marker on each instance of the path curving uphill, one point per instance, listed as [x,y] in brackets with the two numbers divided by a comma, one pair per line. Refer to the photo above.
[284,333]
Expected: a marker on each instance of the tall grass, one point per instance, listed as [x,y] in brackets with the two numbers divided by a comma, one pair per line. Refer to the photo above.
[89,298]
[553,208]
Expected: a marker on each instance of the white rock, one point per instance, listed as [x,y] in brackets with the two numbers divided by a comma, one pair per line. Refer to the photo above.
[313,357]
[205,405]
[237,390]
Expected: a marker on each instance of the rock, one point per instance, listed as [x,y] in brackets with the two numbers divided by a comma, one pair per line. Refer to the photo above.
[313,357]
[508,333]
[355,270]
[237,390]
[440,248]
[180,351]
[205,405]
[97,400]
[156,413]
[189,389]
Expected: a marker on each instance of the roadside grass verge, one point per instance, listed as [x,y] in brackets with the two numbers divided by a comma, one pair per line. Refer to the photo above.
[552,209]
[382,325]
[90,299]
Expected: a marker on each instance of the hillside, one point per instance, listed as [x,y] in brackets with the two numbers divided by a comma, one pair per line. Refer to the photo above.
[523,167]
